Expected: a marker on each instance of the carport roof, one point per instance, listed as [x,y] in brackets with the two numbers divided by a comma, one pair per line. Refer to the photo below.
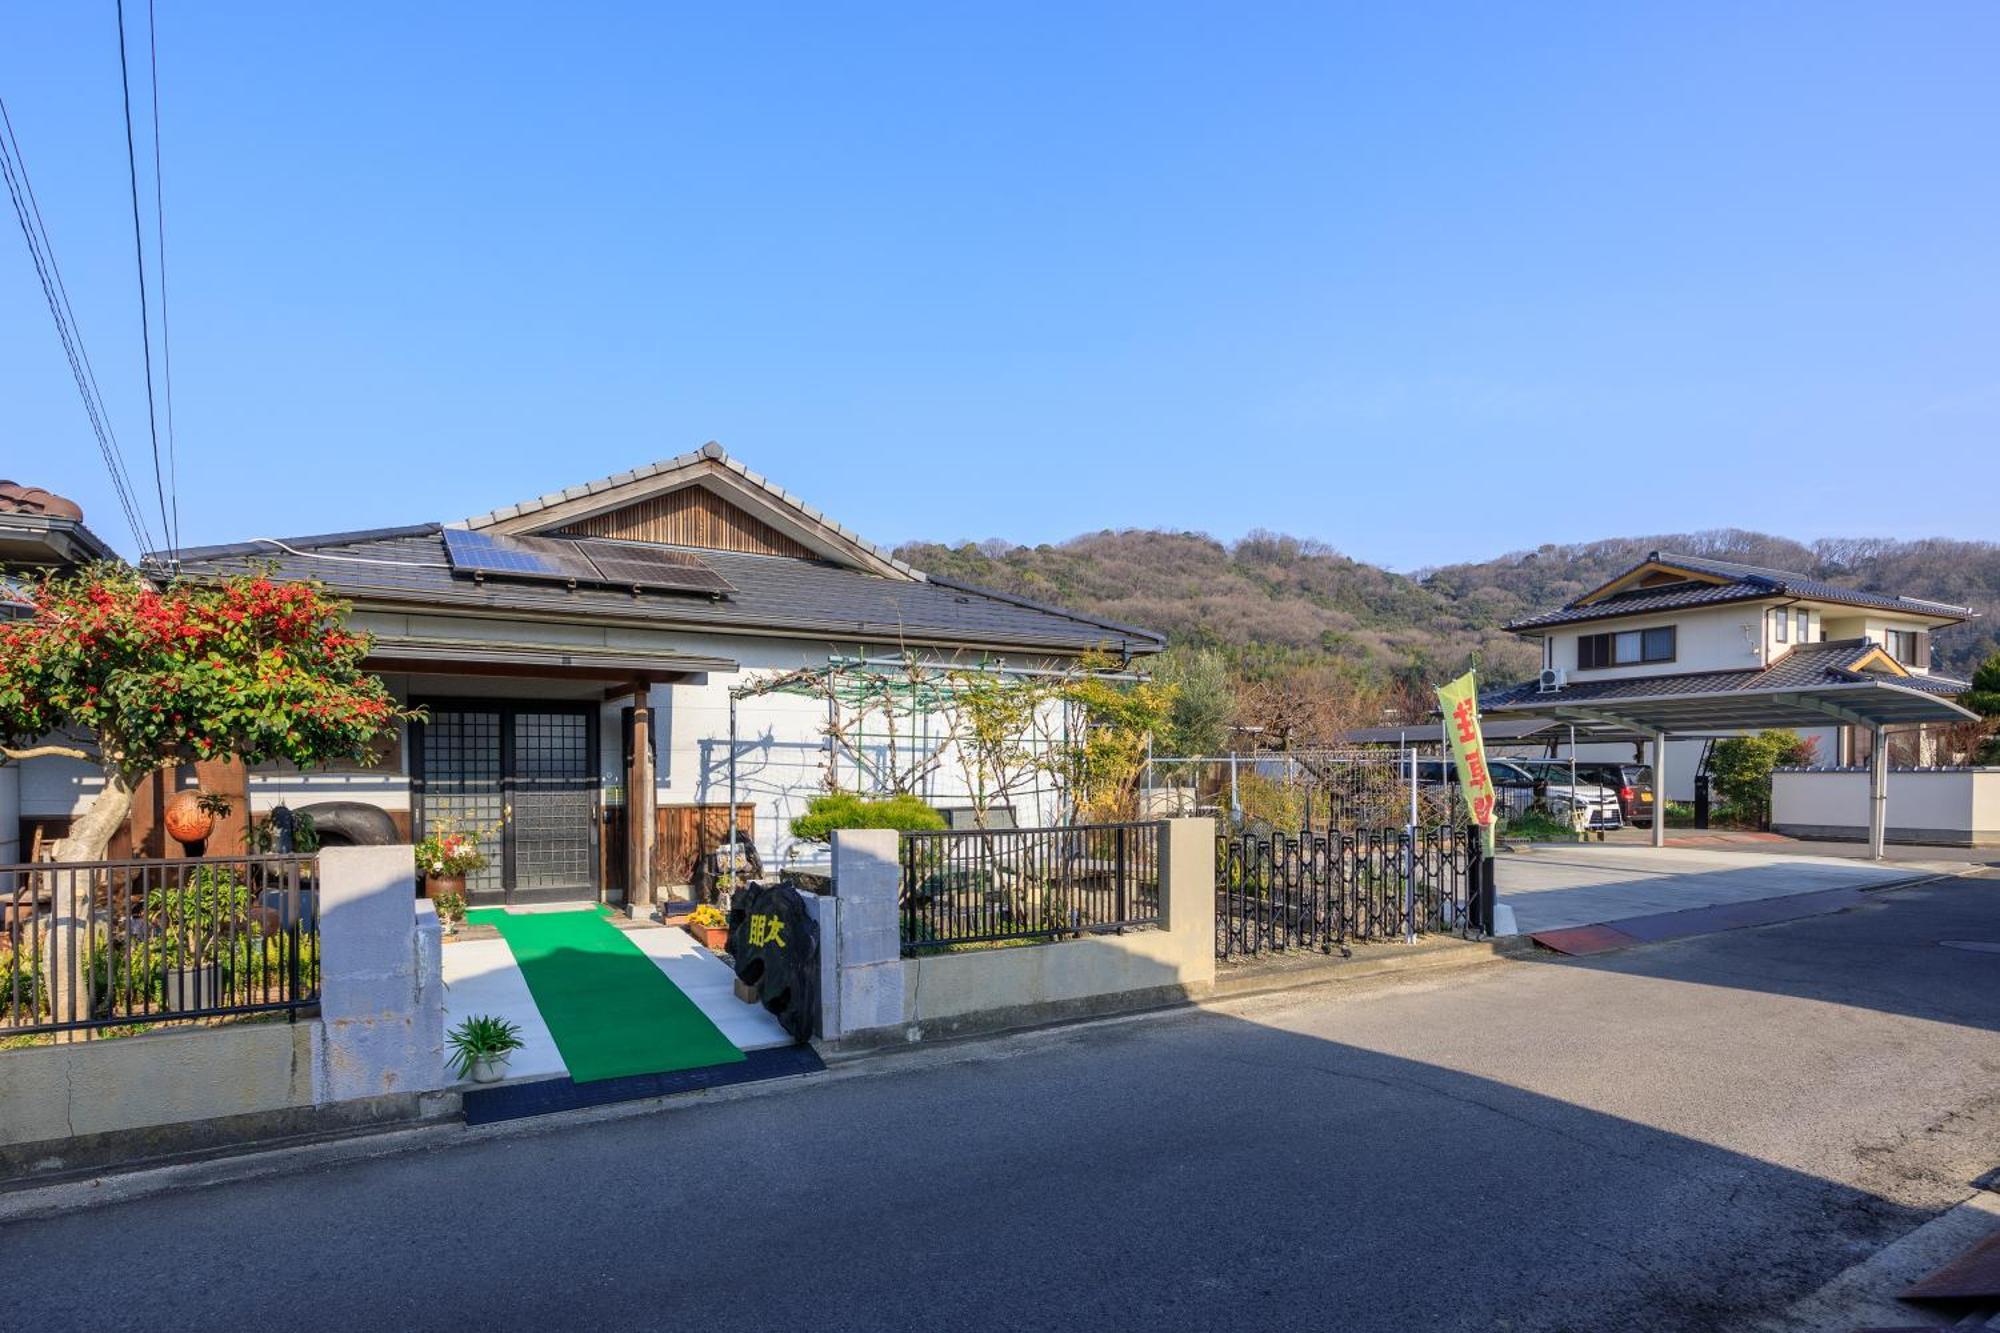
[1847,681]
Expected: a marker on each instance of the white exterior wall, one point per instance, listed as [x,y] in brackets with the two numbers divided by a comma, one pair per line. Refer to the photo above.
[781,743]
[10,813]
[781,752]
[1724,638]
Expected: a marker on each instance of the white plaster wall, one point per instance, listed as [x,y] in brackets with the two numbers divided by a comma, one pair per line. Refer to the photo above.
[1715,639]
[56,786]
[1960,801]
[781,742]
[10,813]
[1729,637]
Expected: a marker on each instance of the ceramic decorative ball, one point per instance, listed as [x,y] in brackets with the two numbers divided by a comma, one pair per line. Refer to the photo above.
[186,821]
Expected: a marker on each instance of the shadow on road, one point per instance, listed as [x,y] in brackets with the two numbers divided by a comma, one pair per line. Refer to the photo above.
[1904,961]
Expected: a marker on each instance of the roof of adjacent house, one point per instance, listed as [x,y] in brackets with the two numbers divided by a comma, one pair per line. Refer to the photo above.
[1712,582]
[814,598]
[1806,668]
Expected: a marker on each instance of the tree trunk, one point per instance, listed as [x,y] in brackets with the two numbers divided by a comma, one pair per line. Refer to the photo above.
[70,926]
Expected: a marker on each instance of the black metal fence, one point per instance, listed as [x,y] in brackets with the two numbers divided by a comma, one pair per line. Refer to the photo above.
[91,945]
[994,886]
[1280,891]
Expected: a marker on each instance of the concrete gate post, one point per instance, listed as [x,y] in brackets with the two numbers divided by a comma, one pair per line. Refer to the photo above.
[868,948]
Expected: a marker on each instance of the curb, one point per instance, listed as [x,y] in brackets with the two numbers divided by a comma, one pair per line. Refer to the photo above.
[1417,960]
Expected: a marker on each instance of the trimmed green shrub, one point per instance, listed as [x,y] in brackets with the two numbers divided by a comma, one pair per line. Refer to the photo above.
[844,809]
[1741,768]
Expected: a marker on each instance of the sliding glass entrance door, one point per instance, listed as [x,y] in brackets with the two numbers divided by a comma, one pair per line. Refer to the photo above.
[525,776]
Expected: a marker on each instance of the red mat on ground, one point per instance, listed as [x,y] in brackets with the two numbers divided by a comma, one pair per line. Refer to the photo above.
[1973,1276]
[1577,940]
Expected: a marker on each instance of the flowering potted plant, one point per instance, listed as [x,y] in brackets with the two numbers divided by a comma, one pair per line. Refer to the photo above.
[709,926]
[445,858]
[450,910]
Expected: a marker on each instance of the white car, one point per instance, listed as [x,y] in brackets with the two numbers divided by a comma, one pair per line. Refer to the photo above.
[1521,790]
[1562,798]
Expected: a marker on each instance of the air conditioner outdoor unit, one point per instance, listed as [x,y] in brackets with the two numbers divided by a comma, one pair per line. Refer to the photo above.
[1553,679]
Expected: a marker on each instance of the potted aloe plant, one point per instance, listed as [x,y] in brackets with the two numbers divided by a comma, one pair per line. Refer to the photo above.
[445,858]
[480,1047]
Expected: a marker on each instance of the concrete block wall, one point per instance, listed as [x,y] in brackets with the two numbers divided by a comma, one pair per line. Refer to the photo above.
[885,997]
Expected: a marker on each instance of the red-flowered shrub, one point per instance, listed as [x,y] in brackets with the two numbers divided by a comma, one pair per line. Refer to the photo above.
[249,667]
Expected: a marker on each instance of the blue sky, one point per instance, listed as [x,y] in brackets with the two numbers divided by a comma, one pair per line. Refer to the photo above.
[1426,282]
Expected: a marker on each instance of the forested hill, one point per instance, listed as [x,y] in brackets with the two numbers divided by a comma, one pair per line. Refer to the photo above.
[1271,601]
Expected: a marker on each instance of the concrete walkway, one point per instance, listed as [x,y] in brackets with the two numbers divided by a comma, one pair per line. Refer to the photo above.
[1552,887]
[481,977]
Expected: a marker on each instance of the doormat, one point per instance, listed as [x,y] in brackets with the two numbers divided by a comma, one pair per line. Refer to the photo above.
[546,1096]
[611,1010]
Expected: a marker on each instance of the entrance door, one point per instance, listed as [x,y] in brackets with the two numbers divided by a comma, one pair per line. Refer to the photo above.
[525,777]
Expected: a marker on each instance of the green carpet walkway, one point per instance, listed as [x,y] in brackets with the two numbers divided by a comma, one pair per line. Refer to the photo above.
[610,1009]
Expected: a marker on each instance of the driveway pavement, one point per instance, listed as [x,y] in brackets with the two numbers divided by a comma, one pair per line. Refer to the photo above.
[1682,1137]
[1554,886]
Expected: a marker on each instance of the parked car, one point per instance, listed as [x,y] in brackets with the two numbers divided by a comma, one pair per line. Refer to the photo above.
[1632,782]
[1520,790]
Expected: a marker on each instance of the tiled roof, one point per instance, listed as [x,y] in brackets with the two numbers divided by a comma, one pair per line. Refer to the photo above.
[708,453]
[1746,583]
[1804,667]
[1672,598]
[809,598]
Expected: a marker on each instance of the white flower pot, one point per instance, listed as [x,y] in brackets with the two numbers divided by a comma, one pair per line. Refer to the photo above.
[489,1069]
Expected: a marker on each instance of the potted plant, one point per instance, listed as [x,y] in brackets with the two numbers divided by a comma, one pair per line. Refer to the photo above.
[480,1047]
[445,858]
[709,926]
[450,910]
[187,925]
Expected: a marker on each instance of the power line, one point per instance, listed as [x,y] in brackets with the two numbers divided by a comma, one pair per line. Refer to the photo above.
[28,211]
[145,316]
[160,249]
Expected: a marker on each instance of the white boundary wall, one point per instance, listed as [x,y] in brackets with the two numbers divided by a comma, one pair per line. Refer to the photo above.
[1952,807]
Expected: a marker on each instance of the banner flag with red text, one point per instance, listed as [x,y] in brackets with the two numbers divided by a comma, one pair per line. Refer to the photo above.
[1460,702]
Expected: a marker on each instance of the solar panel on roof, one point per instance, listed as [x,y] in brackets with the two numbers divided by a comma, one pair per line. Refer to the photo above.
[625,564]
[566,560]
[517,557]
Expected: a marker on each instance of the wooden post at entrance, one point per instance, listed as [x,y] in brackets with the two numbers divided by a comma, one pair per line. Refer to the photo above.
[639,796]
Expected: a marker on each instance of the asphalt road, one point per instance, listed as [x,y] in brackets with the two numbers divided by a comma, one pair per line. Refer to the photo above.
[1678,1137]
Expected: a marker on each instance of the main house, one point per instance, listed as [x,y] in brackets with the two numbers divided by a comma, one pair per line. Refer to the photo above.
[1688,647]
[582,659]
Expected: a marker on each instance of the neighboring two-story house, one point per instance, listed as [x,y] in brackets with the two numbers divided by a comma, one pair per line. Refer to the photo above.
[1688,647]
